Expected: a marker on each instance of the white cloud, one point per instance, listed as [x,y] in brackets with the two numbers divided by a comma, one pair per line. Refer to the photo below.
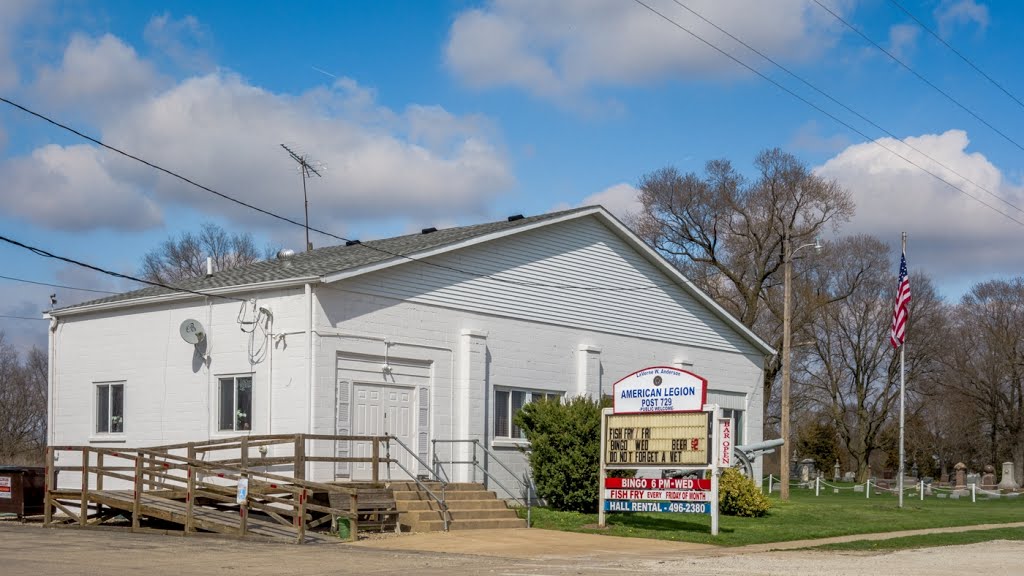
[185,41]
[951,13]
[558,49]
[222,131]
[950,235]
[71,188]
[99,76]
[903,40]
[622,200]
[12,14]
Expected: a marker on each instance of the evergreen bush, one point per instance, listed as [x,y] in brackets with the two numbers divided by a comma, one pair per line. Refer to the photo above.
[738,496]
[564,452]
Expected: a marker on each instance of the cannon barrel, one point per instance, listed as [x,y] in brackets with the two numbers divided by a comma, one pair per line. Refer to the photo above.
[761,446]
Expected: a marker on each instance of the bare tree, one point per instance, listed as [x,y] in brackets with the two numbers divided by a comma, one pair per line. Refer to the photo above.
[22,405]
[987,365]
[852,370]
[182,257]
[727,234]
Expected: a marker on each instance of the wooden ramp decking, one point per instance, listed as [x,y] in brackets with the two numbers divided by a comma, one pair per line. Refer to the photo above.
[203,518]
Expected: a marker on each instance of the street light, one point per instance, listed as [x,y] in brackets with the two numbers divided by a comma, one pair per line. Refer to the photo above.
[787,262]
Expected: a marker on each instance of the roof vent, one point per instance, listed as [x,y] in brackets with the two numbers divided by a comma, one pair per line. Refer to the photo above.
[352,242]
[428,230]
[515,217]
[285,253]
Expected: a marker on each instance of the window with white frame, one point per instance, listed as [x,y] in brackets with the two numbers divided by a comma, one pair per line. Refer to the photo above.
[110,408]
[235,404]
[507,402]
[737,423]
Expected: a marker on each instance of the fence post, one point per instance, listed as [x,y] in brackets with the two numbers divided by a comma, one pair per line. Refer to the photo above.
[137,499]
[817,486]
[83,514]
[973,492]
[243,456]
[51,481]
[770,483]
[867,490]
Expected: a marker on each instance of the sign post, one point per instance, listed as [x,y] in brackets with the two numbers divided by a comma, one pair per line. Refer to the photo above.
[660,421]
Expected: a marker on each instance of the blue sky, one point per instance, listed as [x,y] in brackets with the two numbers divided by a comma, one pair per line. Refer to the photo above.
[454,112]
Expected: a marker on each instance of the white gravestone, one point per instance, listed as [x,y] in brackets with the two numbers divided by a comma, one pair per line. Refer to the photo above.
[1008,482]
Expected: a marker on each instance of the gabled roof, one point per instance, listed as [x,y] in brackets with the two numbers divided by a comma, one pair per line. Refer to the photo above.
[334,263]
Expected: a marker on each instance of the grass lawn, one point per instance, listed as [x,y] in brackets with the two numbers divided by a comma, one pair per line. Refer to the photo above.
[803,517]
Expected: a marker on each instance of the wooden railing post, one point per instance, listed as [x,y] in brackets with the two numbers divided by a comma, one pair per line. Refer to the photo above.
[244,456]
[51,485]
[301,528]
[190,497]
[376,459]
[243,512]
[353,524]
[99,481]
[83,514]
[300,457]
[137,498]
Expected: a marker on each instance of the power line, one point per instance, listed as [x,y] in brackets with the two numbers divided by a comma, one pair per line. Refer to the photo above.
[56,285]
[847,108]
[12,317]
[957,52]
[317,230]
[825,112]
[46,254]
[919,76]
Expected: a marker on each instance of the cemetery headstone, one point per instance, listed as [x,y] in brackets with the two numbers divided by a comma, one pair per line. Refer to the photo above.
[1008,482]
[988,480]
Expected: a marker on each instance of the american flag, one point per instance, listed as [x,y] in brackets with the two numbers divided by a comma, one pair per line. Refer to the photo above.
[901,312]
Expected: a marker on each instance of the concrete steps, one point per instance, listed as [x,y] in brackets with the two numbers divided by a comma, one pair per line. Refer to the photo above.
[471,507]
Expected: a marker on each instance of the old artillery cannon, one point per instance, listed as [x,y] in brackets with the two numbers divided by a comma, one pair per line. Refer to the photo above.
[745,454]
[743,457]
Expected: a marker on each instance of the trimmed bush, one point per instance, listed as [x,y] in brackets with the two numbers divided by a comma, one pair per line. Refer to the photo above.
[738,496]
[564,452]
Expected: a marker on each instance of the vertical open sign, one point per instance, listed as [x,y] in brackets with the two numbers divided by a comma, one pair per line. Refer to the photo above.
[726,441]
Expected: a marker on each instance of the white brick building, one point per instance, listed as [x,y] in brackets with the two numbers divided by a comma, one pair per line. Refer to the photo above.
[444,332]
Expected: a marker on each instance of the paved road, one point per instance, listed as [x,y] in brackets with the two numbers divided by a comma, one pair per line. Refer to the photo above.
[33,550]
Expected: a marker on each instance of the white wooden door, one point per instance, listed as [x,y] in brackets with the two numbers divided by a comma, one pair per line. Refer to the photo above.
[378,410]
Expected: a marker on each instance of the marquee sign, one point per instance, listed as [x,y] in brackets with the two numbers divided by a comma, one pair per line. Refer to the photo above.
[659,389]
[669,440]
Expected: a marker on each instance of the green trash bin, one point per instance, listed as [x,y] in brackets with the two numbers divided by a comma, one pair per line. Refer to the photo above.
[344,529]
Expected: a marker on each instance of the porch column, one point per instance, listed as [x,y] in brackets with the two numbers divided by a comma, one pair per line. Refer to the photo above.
[471,401]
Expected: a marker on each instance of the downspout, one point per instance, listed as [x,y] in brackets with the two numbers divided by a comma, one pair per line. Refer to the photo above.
[310,374]
[52,384]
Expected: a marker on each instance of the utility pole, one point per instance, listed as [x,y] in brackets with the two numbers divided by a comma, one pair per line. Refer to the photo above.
[306,169]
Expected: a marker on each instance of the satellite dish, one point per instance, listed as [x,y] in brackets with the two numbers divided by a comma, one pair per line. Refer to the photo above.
[192,331]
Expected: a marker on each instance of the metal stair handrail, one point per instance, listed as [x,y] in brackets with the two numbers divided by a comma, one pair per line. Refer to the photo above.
[528,485]
[446,515]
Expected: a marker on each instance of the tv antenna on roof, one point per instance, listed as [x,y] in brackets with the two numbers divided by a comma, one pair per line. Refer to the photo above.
[306,169]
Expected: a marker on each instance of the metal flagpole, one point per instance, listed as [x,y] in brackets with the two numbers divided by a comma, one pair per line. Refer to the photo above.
[902,397]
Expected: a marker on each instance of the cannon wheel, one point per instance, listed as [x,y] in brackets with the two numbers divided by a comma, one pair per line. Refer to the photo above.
[742,463]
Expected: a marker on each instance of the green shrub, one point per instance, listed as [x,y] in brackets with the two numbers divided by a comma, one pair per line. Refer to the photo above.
[738,496]
[565,450]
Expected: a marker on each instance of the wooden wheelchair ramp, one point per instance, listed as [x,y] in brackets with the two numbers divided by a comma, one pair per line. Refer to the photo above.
[197,495]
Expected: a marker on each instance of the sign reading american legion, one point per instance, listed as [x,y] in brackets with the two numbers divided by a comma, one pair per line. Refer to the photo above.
[659,389]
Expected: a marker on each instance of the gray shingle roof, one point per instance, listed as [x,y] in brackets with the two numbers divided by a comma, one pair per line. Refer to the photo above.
[328,260]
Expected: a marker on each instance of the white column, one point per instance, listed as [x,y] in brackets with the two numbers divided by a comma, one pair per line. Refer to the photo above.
[588,371]
[470,403]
